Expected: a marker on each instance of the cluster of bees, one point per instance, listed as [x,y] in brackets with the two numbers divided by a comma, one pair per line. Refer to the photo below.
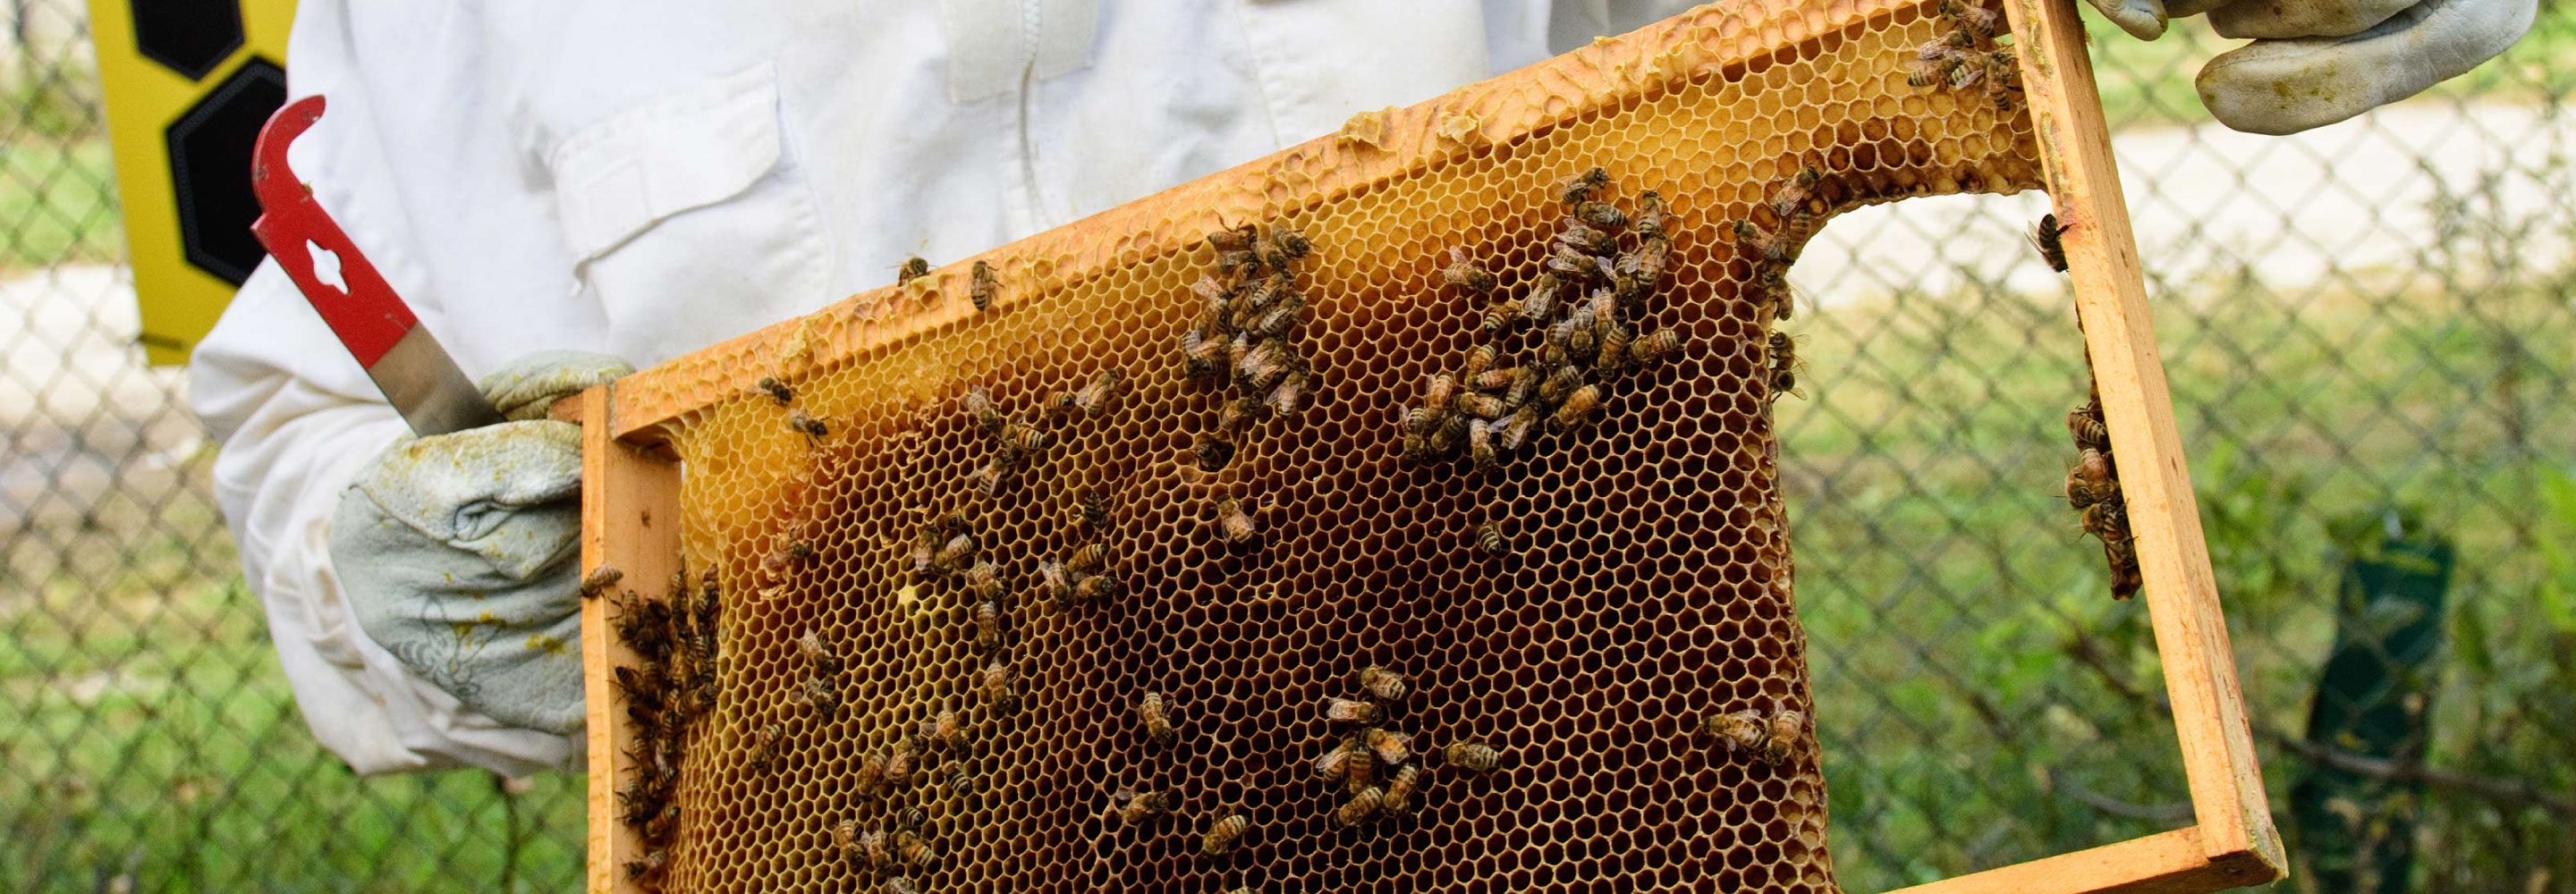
[899,843]
[1247,334]
[2093,488]
[672,683]
[1965,55]
[1375,764]
[1795,210]
[1601,268]
[1771,737]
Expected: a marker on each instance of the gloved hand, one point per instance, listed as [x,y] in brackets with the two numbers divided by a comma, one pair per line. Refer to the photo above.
[455,552]
[2316,62]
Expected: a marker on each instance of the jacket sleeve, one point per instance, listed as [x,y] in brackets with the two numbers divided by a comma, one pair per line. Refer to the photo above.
[297,418]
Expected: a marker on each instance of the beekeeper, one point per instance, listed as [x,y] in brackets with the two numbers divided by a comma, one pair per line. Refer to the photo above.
[554,186]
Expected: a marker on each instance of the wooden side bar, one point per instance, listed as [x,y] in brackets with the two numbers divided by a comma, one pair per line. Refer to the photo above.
[2227,794]
[2173,862]
[630,520]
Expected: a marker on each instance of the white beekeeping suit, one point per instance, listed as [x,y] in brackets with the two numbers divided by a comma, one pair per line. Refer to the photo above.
[643,178]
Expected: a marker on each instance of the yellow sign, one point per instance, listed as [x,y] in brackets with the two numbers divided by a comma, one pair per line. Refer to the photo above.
[188,84]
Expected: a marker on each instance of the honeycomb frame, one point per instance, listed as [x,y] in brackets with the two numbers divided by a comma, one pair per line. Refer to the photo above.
[633,504]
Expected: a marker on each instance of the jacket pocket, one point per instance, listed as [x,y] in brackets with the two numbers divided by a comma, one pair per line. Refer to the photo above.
[688,219]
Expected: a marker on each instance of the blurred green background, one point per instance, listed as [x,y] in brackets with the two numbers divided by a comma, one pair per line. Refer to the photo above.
[2371,341]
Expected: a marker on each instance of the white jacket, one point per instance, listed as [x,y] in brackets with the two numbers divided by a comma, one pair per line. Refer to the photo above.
[647,177]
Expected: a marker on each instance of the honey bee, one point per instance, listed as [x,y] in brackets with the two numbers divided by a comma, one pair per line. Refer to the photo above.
[1138,808]
[2049,238]
[818,693]
[1214,453]
[1278,288]
[1739,730]
[1390,747]
[945,731]
[979,407]
[1292,241]
[1472,756]
[1978,20]
[2091,481]
[1202,354]
[1278,321]
[915,851]
[2126,578]
[1290,394]
[764,748]
[1483,406]
[599,580]
[1782,733]
[1583,185]
[1096,588]
[896,884]
[1224,834]
[1582,237]
[998,682]
[988,478]
[1336,764]
[812,428]
[2107,520]
[777,390]
[1655,348]
[1763,243]
[1576,333]
[1157,717]
[1090,398]
[845,841]
[871,773]
[1480,445]
[1262,366]
[900,762]
[1539,303]
[1494,379]
[1055,582]
[957,553]
[1468,274]
[876,849]
[817,656]
[1784,364]
[982,286]
[1236,522]
[1232,238]
[1650,216]
[1501,314]
[988,624]
[913,268]
[1559,384]
[1089,558]
[1489,539]
[1439,395]
[1613,356]
[1386,684]
[649,866]
[1024,438]
[1360,808]
[1091,508]
[1350,710]
[1577,409]
[1400,789]
[1601,215]
[2085,423]
[1451,433]
[1480,359]
[1524,384]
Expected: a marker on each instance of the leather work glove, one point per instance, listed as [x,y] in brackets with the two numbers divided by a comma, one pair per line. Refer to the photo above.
[2316,62]
[455,552]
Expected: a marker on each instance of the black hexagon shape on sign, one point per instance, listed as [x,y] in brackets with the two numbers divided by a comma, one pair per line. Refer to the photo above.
[210,169]
[189,36]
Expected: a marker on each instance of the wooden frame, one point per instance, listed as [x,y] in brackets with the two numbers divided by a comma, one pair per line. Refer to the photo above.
[631,506]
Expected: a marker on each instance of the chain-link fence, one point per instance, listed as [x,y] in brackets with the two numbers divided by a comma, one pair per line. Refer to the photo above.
[2371,341]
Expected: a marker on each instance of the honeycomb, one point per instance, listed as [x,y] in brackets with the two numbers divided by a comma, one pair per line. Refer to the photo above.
[996,616]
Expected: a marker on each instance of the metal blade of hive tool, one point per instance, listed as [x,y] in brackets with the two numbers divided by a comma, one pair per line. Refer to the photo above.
[380,331]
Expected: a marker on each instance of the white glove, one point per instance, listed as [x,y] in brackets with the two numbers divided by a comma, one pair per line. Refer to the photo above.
[455,552]
[2316,62]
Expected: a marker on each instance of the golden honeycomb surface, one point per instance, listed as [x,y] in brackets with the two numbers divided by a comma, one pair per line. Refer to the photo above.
[1645,585]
